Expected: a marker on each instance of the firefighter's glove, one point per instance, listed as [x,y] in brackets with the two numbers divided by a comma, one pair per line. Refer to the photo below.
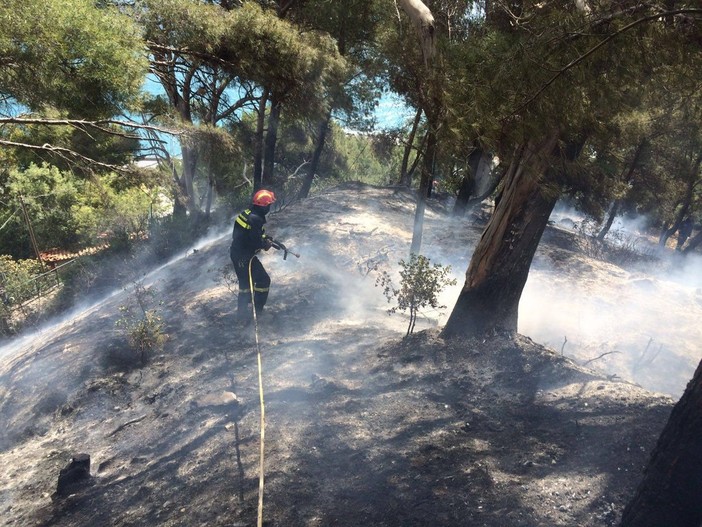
[267,243]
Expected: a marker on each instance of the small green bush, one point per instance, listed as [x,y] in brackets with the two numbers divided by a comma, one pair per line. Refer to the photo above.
[420,285]
[143,326]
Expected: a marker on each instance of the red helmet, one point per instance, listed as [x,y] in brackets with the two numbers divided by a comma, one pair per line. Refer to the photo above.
[263,197]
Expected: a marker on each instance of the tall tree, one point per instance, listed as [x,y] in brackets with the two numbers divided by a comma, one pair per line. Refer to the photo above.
[214,61]
[436,33]
[626,180]
[682,160]
[543,128]
[352,25]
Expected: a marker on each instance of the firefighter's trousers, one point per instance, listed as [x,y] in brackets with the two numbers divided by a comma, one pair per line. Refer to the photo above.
[261,284]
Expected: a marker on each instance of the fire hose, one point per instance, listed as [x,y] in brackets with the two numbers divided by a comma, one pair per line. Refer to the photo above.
[279,246]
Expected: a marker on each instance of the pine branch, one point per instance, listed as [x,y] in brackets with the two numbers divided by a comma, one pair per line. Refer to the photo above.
[609,38]
[84,124]
[67,154]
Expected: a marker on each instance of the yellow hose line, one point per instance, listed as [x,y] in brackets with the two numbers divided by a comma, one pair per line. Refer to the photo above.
[260,395]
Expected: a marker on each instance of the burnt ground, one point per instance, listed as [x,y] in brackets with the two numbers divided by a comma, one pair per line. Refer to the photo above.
[364,427]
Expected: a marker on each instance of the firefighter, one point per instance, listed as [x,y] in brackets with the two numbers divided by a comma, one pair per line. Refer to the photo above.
[248,238]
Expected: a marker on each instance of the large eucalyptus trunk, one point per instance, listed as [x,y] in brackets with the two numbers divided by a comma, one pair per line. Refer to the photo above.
[671,491]
[500,264]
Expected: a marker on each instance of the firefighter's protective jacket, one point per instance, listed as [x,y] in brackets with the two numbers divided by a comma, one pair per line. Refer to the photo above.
[249,234]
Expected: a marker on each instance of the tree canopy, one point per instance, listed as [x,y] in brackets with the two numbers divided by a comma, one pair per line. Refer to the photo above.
[70,55]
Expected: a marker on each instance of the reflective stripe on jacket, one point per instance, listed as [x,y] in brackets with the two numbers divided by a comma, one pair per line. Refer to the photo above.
[248,234]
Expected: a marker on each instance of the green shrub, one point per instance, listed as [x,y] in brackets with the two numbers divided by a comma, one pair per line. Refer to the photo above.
[420,285]
[143,326]
[20,281]
[17,279]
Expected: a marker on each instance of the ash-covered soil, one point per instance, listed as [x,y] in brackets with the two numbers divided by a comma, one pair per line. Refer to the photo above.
[363,427]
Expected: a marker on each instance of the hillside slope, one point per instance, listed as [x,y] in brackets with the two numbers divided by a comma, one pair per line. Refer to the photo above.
[363,427]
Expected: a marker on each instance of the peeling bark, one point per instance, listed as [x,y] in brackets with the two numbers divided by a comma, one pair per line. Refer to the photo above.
[500,264]
[423,21]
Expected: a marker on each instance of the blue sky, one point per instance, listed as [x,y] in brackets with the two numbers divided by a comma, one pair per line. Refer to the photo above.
[392,111]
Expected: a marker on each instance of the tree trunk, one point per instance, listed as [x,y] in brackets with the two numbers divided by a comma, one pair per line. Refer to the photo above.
[682,212]
[468,184]
[179,209]
[271,140]
[493,182]
[671,491]
[692,181]
[405,174]
[694,242]
[423,21]
[210,197]
[319,147]
[258,141]
[190,157]
[613,211]
[628,178]
[424,188]
[432,105]
[500,264]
